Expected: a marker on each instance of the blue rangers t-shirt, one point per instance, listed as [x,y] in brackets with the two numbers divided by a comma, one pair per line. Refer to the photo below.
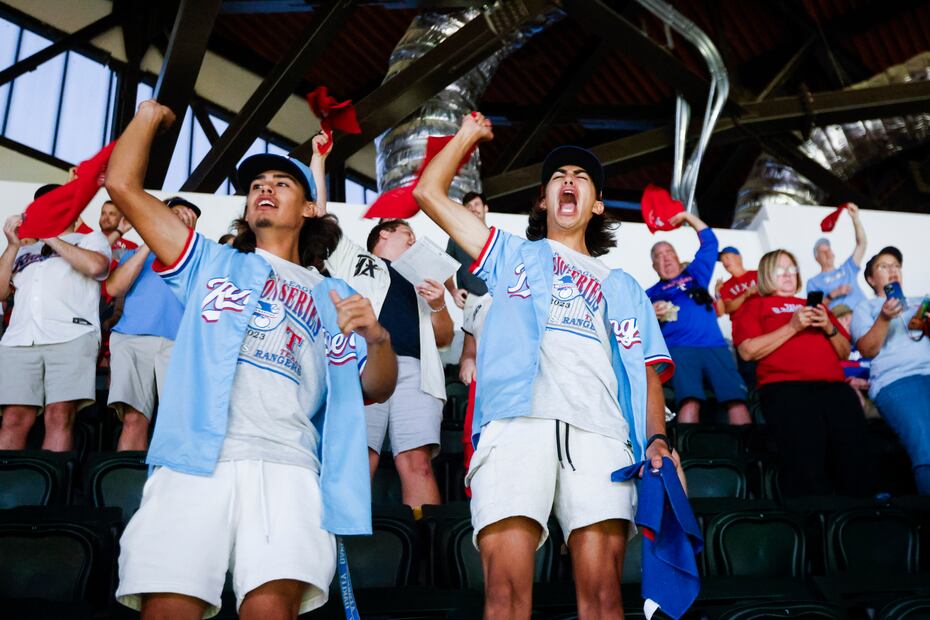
[827,281]
[696,324]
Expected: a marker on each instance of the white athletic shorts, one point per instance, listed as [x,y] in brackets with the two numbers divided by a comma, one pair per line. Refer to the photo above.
[259,520]
[533,467]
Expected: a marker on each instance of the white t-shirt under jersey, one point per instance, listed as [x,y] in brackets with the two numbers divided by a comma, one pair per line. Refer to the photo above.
[576,382]
[280,377]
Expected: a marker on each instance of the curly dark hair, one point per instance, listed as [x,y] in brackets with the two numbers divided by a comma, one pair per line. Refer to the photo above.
[598,236]
[318,239]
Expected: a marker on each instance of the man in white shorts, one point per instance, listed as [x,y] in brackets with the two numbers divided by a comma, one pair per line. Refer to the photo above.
[48,355]
[142,341]
[569,381]
[419,323]
[260,444]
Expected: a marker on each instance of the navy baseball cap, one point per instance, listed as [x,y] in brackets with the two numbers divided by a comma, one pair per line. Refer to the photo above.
[890,250]
[728,250]
[45,189]
[177,201]
[257,164]
[574,156]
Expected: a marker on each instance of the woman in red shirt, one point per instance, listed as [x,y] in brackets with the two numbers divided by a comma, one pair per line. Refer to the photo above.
[815,417]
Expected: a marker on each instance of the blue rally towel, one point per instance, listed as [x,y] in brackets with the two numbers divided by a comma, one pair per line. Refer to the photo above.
[671,539]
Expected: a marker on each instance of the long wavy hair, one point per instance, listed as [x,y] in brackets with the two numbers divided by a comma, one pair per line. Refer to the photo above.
[598,236]
[318,239]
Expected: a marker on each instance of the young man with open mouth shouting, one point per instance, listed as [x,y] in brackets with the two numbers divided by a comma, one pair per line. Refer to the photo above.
[570,362]
[260,442]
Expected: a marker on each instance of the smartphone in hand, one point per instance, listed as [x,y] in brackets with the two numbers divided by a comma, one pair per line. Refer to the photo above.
[814,298]
[893,291]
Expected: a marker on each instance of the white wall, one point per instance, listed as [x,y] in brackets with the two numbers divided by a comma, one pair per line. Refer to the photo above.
[793,228]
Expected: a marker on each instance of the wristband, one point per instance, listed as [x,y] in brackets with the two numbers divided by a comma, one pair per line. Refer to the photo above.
[835,331]
[662,437]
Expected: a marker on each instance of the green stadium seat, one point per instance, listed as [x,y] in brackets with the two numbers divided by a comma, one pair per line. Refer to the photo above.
[701,440]
[116,479]
[716,477]
[809,610]
[910,608]
[35,477]
[386,558]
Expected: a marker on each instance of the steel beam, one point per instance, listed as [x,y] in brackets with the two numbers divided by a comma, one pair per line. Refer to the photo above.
[268,97]
[759,119]
[405,92]
[187,46]
[78,37]
[614,29]
[571,81]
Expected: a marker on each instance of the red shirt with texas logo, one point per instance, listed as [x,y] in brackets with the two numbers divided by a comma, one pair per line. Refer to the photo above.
[806,356]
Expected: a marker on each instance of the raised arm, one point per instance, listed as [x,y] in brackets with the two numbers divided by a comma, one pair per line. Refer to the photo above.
[9,254]
[861,241]
[161,230]
[122,278]
[318,170]
[432,191]
[88,262]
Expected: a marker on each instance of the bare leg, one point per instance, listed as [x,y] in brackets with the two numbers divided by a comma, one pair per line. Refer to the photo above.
[738,413]
[373,459]
[275,600]
[415,468]
[17,421]
[59,426]
[690,411]
[135,433]
[507,555]
[597,562]
[164,606]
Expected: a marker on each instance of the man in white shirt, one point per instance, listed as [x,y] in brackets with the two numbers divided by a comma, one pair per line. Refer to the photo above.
[49,352]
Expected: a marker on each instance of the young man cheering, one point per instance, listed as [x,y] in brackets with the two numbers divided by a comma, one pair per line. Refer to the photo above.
[260,442]
[570,389]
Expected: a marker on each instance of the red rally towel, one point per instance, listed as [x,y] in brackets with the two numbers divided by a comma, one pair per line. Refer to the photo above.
[333,114]
[52,213]
[658,207]
[829,223]
[398,203]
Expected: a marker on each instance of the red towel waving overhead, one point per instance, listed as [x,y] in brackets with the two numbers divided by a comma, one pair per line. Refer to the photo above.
[333,114]
[658,207]
[50,214]
[829,223]
[398,203]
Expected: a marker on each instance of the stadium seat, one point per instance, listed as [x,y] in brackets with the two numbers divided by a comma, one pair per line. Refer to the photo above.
[35,477]
[910,608]
[756,544]
[386,558]
[755,554]
[57,555]
[872,541]
[116,479]
[700,440]
[809,610]
[449,467]
[716,477]
[453,417]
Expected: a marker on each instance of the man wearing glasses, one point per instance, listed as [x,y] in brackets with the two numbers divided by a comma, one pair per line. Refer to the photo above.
[685,310]
[890,330]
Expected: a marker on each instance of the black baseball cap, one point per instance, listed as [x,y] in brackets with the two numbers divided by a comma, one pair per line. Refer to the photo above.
[45,189]
[889,250]
[177,201]
[257,164]
[574,156]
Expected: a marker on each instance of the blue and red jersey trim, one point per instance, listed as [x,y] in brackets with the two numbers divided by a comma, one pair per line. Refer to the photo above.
[181,261]
[666,366]
[478,265]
